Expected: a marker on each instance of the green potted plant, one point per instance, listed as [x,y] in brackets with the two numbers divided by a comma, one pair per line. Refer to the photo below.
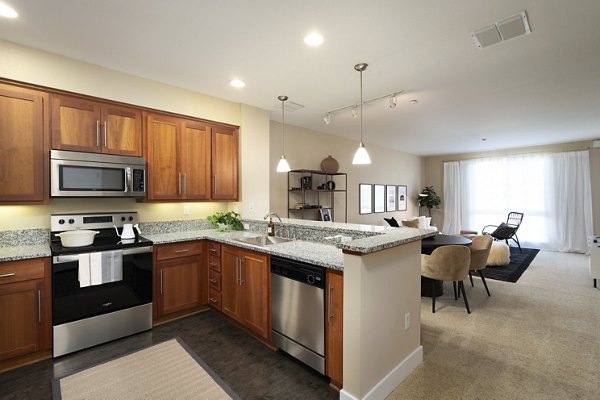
[429,198]
[226,221]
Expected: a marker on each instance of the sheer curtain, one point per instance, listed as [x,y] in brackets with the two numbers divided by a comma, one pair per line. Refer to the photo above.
[552,190]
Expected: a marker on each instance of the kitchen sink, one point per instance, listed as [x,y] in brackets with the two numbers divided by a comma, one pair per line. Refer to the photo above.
[262,240]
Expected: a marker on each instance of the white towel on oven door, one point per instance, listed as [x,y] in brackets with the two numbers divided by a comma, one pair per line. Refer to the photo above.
[95,269]
[112,266]
[84,270]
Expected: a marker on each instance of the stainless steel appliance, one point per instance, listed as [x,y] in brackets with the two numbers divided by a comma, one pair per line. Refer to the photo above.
[102,291]
[298,310]
[76,174]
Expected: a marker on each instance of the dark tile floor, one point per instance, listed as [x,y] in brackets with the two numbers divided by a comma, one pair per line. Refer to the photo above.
[252,370]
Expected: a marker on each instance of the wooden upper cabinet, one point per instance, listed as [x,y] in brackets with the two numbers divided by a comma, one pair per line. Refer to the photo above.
[161,157]
[194,160]
[225,145]
[24,159]
[91,126]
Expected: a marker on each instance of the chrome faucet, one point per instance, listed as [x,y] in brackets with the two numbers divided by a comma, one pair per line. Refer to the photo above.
[275,214]
[271,225]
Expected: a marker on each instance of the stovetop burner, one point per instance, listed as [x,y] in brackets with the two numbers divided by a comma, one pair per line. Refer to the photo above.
[106,239]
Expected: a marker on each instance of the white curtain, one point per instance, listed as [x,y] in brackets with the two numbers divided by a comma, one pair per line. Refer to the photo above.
[452,198]
[552,190]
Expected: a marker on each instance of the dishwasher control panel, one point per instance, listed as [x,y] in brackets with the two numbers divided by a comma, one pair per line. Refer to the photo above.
[309,274]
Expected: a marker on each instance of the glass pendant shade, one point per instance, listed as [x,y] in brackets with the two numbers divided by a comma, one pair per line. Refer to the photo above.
[283,165]
[361,156]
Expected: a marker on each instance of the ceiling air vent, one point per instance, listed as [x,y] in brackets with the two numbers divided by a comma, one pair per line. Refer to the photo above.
[289,106]
[507,28]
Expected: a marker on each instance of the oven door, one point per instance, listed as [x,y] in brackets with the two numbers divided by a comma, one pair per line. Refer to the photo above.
[72,301]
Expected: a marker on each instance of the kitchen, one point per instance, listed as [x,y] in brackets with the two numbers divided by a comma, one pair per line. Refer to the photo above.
[254,138]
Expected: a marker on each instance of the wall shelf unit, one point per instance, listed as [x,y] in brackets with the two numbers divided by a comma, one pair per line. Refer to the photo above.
[312,191]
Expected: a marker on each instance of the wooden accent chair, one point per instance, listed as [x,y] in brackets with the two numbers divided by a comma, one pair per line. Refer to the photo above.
[480,250]
[447,263]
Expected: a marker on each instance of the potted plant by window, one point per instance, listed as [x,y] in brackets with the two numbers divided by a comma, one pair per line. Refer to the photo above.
[429,198]
[226,221]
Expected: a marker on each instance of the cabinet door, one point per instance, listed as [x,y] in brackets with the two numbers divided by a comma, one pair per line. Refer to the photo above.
[334,334]
[21,324]
[181,284]
[161,156]
[194,151]
[255,276]
[225,163]
[121,131]
[76,124]
[230,282]
[24,146]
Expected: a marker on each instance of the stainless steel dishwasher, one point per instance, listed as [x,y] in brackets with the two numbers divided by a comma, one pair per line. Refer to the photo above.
[298,310]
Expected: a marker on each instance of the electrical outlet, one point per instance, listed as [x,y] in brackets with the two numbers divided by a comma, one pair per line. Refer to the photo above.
[186,210]
[246,226]
[251,207]
[406,321]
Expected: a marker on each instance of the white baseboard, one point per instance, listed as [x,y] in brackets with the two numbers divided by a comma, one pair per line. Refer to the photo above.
[394,378]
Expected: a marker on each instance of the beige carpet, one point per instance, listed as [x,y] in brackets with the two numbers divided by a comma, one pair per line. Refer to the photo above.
[164,371]
[538,338]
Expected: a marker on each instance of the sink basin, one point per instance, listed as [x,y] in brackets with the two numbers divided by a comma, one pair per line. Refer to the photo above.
[263,240]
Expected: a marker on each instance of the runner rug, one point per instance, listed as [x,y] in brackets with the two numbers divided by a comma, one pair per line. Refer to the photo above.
[169,370]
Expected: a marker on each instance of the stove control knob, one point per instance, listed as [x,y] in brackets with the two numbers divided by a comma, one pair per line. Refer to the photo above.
[123,219]
[71,221]
[61,221]
[130,218]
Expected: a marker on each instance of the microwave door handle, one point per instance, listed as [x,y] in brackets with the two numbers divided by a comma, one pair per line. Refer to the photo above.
[127,179]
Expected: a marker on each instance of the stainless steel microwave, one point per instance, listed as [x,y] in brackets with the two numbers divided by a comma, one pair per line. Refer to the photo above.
[77,174]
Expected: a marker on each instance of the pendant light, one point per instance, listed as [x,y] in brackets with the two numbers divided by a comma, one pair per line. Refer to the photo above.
[283,165]
[361,156]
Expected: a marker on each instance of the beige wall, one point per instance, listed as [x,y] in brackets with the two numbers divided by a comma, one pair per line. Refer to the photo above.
[305,149]
[46,69]
[433,171]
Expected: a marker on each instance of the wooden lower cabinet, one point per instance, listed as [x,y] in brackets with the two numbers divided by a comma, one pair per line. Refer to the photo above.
[245,289]
[214,275]
[25,308]
[180,277]
[334,298]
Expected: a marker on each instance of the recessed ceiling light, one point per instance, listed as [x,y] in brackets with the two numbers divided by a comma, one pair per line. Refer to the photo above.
[413,101]
[313,39]
[7,11]
[237,83]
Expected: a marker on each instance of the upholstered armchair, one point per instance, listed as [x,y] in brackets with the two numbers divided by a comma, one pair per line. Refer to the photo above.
[480,250]
[447,263]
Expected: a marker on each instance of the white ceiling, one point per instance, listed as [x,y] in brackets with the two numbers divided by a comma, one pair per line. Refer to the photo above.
[536,89]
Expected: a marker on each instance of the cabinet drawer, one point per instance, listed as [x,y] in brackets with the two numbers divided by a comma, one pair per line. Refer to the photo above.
[174,250]
[214,249]
[214,263]
[214,299]
[214,280]
[16,271]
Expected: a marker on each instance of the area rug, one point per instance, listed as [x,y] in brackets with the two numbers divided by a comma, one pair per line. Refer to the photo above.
[169,370]
[513,271]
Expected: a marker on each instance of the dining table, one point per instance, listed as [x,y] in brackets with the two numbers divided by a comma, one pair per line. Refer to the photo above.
[428,245]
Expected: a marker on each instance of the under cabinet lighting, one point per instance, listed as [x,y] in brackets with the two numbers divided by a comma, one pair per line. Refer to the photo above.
[7,11]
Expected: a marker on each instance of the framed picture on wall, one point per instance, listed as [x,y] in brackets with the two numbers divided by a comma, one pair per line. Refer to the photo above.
[402,200]
[390,198]
[326,214]
[379,198]
[365,198]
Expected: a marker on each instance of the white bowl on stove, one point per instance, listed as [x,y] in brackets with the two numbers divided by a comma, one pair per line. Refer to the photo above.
[77,238]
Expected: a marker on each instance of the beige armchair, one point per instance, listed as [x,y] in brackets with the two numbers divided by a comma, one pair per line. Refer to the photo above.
[447,263]
[480,250]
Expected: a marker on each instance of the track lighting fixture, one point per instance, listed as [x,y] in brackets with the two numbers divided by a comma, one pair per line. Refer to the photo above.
[392,102]
[327,118]
[354,111]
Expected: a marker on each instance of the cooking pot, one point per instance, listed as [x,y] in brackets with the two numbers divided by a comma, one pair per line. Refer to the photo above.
[77,238]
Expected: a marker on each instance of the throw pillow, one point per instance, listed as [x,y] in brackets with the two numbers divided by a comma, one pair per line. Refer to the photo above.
[503,231]
[392,222]
[414,223]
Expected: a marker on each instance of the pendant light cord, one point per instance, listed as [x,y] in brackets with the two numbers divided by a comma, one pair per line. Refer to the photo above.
[282,124]
[361,106]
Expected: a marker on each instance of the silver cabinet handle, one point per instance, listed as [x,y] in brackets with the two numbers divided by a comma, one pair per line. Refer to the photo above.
[212,250]
[184,183]
[97,133]
[182,251]
[239,261]
[241,271]
[213,300]
[39,306]
[161,281]
[212,265]
[105,133]
[329,314]
[179,182]
[212,280]
[7,275]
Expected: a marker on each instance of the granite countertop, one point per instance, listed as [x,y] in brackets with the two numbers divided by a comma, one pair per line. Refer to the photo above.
[23,252]
[24,244]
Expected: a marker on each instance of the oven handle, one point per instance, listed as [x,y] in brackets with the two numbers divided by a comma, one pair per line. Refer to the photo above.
[75,257]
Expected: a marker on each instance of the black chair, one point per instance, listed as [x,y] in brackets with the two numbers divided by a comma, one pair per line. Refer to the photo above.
[506,230]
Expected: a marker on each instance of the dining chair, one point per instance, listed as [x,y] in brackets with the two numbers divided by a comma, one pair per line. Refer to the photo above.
[480,250]
[447,263]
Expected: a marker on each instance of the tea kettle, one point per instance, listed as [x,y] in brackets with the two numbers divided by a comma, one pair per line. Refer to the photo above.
[128,232]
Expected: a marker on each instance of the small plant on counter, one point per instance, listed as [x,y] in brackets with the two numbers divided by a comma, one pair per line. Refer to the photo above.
[226,221]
